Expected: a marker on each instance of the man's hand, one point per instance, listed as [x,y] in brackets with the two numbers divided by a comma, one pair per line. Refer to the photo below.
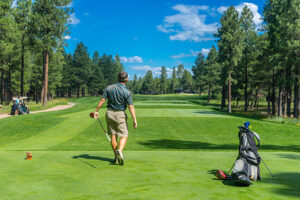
[95,114]
[132,112]
[135,124]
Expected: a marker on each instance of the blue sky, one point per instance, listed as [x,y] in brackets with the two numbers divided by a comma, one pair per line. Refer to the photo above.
[148,34]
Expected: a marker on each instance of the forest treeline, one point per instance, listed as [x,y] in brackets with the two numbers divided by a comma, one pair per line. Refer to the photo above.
[33,61]
[249,63]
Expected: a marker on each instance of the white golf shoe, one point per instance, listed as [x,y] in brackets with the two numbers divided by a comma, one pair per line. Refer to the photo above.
[120,157]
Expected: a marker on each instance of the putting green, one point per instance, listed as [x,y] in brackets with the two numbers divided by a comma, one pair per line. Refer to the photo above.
[171,155]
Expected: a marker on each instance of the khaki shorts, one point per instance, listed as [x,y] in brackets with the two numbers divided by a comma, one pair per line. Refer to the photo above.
[117,122]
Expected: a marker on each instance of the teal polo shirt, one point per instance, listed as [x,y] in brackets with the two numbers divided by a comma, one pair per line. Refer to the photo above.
[118,96]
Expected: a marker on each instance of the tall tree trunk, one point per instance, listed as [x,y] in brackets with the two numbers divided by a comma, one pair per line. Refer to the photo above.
[274,93]
[251,106]
[2,86]
[279,99]
[237,102]
[199,91]
[8,83]
[223,96]
[288,92]
[78,91]
[269,94]
[229,93]
[69,93]
[296,94]
[256,99]
[283,102]
[36,91]
[209,90]
[22,65]
[45,80]
[246,88]
[83,91]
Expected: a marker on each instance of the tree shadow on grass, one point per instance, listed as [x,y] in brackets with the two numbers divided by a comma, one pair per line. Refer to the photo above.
[216,107]
[289,183]
[290,156]
[208,112]
[87,156]
[197,145]
[180,144]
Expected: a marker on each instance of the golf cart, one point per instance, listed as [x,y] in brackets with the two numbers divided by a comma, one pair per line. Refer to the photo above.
[19,106]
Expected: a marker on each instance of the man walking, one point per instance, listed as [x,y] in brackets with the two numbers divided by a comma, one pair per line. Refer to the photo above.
[118,97]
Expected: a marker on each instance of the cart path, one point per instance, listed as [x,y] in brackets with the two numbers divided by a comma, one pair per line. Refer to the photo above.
[56,108]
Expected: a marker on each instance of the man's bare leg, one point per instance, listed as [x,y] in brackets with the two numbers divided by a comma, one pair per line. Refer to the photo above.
[122,143]
[114,144]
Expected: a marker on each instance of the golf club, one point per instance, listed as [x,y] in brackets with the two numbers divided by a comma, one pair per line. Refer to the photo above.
[93,116]
[267,167]
[233,165]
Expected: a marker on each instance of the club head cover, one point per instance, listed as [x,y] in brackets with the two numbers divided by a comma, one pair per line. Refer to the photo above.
[92,115]
[220,175]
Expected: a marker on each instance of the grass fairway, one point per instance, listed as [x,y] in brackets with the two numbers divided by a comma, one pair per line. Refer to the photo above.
[171,155]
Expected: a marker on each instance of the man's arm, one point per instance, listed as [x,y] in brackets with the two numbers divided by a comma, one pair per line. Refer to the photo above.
[132,112]
[101,102]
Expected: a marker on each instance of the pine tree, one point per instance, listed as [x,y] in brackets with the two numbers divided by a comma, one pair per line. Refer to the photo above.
[147,86]
[199,71]
[187,81]
[180,70]
[49,25]
[174,81]
[230,47]
[82,67]
[7,43]
[135,88]
[96,83]
[249,53]
[163,80]
[23,16]
[212,71]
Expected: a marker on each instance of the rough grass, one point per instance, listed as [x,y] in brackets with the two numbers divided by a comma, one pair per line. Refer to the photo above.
[170,156]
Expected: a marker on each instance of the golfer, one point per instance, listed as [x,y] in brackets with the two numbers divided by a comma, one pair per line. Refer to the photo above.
[118,98]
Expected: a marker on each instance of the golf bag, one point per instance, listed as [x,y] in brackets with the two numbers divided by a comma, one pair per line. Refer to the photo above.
[246,166]
[14,108]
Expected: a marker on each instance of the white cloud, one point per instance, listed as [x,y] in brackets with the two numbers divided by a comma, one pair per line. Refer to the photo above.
[67,37]
[141,68]
[205,51]
[253,7]
[134,59]
[222,9]
[73,19]
[191,54]
[181,55]
[71,4]
[188,24]
[155,70]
